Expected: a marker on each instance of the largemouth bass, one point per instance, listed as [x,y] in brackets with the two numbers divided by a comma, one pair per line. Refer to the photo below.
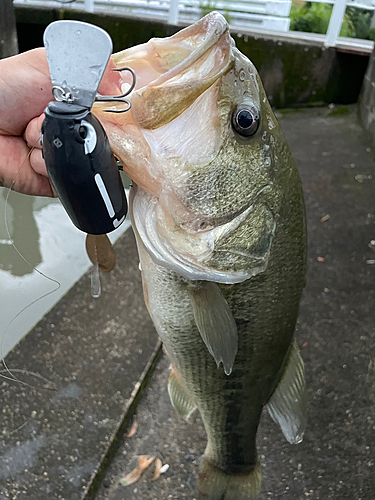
[218,212]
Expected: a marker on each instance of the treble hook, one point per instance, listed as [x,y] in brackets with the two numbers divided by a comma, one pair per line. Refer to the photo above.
[118,98]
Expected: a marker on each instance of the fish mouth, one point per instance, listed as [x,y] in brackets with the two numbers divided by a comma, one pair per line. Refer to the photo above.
[172,72]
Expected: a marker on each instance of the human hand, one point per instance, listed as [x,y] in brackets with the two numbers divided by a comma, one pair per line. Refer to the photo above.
[25,91]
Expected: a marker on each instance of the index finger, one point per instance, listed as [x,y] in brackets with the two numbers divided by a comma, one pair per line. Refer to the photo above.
[33,132]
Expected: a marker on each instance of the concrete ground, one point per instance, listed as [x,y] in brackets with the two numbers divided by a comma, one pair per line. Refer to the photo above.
[72,444]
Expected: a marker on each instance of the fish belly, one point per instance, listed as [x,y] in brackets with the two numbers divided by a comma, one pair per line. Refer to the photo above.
[265,309]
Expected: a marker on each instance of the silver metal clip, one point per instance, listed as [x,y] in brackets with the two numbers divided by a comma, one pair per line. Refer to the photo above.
[61,94]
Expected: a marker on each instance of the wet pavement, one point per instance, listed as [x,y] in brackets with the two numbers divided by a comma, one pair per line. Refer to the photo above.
[53,445]
[81,370]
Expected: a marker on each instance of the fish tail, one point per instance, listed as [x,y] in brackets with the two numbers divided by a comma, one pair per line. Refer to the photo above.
[214,484]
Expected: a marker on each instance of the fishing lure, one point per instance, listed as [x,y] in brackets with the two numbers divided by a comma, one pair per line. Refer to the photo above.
[75,147]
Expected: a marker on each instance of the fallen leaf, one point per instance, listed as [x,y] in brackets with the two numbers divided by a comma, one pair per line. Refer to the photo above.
[132,430]
[158,466]
[325,218]
[320,321]
[305,344]
[136,473]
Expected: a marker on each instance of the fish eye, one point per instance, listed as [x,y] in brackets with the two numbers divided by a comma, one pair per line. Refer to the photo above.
[245,120]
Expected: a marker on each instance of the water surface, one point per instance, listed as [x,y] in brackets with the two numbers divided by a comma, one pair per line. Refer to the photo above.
[48,240]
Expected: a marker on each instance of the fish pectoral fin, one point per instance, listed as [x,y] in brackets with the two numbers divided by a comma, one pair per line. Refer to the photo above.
[179,397]
[287,405]
[215,323]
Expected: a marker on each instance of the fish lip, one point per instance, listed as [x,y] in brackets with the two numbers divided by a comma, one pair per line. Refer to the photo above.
[213,26]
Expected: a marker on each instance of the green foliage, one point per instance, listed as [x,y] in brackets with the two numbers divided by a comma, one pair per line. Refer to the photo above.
[361,20]
[339,110]
[207,7]
[314,18]
[210,5]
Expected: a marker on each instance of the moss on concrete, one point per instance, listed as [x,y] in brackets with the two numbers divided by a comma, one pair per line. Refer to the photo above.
[340,110]
[296,74]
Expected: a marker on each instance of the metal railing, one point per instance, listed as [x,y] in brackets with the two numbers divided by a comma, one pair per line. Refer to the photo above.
[265,15]
[246,16]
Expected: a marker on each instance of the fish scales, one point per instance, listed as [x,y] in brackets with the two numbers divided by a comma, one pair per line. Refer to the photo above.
[219,217]
[265,309]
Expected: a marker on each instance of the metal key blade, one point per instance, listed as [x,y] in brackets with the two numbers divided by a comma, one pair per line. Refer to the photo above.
[77,55]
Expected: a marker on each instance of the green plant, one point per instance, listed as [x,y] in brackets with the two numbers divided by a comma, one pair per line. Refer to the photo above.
[314,18]
[209,6]
[361,20]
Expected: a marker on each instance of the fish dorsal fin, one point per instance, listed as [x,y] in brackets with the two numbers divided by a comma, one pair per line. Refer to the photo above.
[179,397]
[215,322]
[287,405]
